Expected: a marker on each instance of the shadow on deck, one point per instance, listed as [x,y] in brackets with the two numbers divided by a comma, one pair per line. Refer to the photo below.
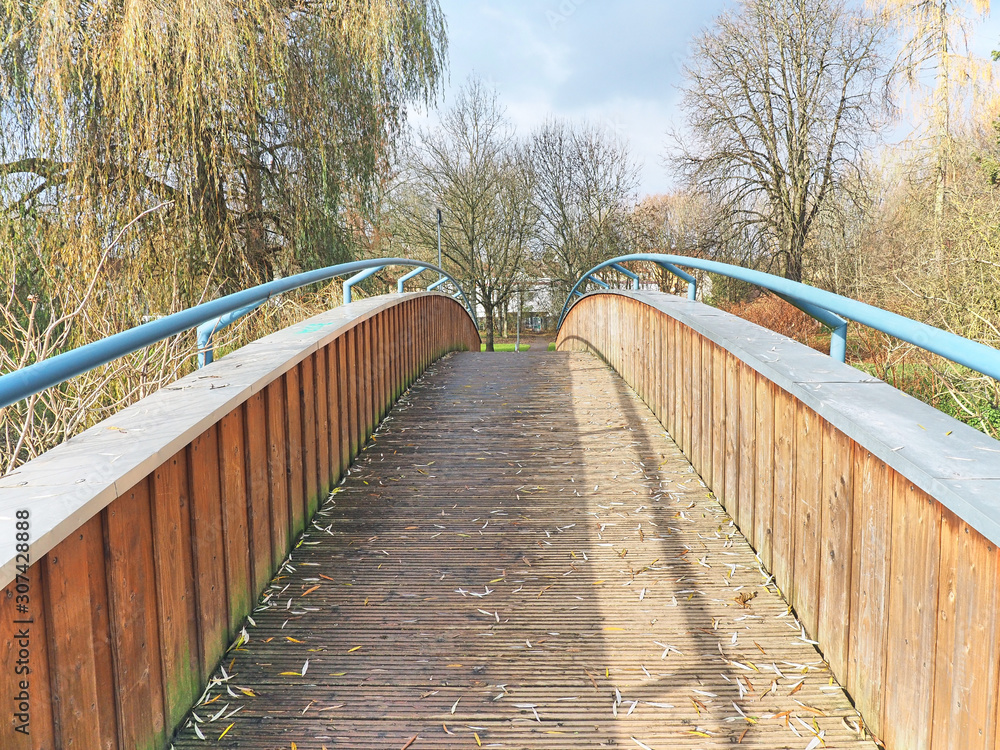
[522,558]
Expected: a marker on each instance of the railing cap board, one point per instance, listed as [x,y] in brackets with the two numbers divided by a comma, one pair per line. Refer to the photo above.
[960,469]
[70,484]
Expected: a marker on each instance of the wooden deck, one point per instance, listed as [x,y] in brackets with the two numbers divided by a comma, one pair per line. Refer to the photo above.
[522,558]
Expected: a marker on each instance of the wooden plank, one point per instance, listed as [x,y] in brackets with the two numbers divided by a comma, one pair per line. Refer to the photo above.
[324,443]
[428,546]
[694,451]
[235,525]
[731,425]
[719,405]
[382,365]
[296,464]
[73,676]
[913,600]
[837,556]
[763,509]
[353,400]
[344,378]
[687,336]
[364,382]
[807,512]
[95,534]
[783,473]
[135,636]
[708,414]
[965,674]
[747,448]
[172,544]
[24,644]
[310,459]
[259,491]
[277,467]
[870,588]
[673,381]
[208,553]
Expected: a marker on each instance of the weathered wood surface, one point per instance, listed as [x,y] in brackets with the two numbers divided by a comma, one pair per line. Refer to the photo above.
[521,558]
[848,491]
[185,505]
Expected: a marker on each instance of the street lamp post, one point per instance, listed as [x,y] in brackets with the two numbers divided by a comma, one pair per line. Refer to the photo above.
[439,240]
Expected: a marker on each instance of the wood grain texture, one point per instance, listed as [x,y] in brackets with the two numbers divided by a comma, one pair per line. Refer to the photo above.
[131,611]
[134,620]
[870,593]
[310,449]
[208,553]
[235,524]
[353,400]
[406,653]
[807,517]
[783,477]
[747,448]
[323,440]
[74,687]
[731,425]
[965,675]
[296,451]
[259,492]
[837,543]
[913,601]
[719,406]
[763,512]
[176,602]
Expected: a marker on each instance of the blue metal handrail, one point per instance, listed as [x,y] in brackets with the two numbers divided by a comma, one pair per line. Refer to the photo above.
[831,309]
[35,378]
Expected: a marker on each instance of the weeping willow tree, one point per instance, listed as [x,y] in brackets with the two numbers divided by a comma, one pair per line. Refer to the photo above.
[259,124]
[155,152]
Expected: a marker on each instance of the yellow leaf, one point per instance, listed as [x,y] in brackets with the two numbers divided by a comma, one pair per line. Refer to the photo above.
[352,650]
[226,730]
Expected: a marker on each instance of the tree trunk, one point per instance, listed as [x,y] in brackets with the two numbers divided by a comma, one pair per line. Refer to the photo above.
[943,134]
[488,309]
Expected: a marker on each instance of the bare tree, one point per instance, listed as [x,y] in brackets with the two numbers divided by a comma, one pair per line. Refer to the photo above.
[473,168]
[781,98]
[937,32]
[586,186]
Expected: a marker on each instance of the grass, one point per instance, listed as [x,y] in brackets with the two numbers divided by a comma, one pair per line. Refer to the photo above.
[552,346]
[505,347]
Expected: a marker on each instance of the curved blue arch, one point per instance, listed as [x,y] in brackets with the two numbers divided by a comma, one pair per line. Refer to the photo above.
[35,378]
[832,307]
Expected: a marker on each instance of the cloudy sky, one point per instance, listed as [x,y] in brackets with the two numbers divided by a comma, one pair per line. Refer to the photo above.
[615,63]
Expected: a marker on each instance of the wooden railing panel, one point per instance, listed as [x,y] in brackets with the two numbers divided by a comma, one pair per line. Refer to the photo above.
[232,464]
[763,496]
[176,603]
[277,470]
[836,533]
[207,549]
[178,524]
[135,638]
[849,503]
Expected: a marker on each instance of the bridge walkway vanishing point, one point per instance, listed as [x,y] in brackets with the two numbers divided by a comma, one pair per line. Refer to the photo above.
[522,558]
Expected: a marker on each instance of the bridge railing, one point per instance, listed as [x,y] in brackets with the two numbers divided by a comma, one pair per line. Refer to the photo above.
[878,515]
[150,536]
[833,310]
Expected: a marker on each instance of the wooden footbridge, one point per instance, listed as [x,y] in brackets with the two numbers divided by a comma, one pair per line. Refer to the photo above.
[677,531]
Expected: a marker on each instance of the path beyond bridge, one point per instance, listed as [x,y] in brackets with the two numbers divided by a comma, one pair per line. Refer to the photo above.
[522,558]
